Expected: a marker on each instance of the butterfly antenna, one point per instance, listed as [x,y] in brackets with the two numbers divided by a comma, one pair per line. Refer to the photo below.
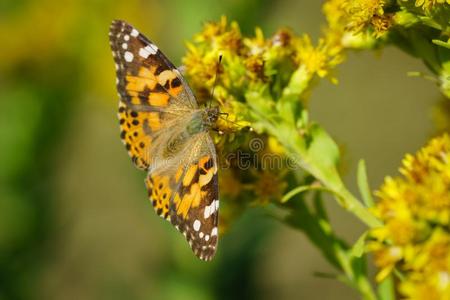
[215,77]
[239,126]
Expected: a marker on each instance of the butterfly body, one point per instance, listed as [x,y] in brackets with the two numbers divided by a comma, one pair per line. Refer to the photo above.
[203,120]
[167,135]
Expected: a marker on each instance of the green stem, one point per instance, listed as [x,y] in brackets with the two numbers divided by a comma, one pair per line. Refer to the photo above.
[355,206]
[325,171]
[345,198]
[330,180]
[344,258]
[304,188]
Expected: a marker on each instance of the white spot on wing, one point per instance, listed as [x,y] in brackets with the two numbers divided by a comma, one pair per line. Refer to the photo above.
[147,51]
[207,211]
[206,237]
[134,33]
[214,231]
[124,45]
[126,37]
[211,209]
[196,225]
[129,56]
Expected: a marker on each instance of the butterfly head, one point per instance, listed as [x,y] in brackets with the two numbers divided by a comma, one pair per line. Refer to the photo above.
[210,116]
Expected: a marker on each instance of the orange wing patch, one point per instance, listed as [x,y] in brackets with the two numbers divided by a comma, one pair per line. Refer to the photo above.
[207,170]
[159,192]
[133,127]
[145,78]
[194,180]
[149,88]
[190,200]
[170,81]
[158,99]
[189,175]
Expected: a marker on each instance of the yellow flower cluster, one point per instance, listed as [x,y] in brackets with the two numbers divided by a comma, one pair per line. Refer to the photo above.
[429,4]
[352,18]
[362,12]
[250,63]
[415,210]
[319,59]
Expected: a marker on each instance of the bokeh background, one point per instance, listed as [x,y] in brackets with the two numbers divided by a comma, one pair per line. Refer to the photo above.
[75,222]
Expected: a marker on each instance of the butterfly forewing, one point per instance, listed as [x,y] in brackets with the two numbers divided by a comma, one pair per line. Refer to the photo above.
[143,69]
[155,108]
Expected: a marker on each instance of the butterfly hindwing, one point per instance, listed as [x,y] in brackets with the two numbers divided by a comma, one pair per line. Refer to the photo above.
[187,195]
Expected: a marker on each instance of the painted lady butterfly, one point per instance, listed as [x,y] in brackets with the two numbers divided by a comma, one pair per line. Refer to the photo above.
[167,135]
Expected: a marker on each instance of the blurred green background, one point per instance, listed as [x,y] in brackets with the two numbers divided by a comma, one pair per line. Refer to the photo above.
[75,222]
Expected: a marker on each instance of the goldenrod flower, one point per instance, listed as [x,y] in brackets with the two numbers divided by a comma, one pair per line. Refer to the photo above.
[354,19]
[274,146]
[429,275]
[335,13]
[381,24]
[253,64]
[320,59]
[429,4]
[361,12]
[230,183]
[270,185]
[415,210]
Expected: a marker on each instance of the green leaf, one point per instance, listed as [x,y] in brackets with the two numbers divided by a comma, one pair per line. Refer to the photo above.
[260,101]
[303,188]
[444,59]
[323,153]
[386,289]
[363,184]
[303,120]
[426,50]
[293,192]
[298,83]
[340,277]
[398,274]
[430,22]
[441,43]
[289,106]
[358,247]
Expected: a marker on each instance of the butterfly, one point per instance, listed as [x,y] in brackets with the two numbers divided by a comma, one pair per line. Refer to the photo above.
[167,134]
